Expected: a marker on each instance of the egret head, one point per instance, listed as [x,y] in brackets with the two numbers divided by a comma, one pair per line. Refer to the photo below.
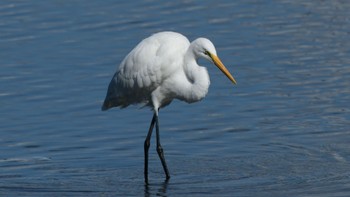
[205,48]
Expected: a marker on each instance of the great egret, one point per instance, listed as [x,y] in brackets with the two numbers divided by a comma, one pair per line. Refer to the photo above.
[159,69]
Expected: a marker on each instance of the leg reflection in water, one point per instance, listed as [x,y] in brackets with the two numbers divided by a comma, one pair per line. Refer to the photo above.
[150,189]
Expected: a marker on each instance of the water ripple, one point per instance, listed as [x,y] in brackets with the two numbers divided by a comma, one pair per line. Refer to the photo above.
[283,128]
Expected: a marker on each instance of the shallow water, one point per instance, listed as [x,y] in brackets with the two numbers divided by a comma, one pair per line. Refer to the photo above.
[283,130]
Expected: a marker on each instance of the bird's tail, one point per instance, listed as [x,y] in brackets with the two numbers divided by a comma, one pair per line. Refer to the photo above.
[115,102]
[114,97]
[111,96]
[106,105]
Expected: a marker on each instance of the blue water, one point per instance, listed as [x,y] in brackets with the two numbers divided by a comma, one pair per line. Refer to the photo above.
[284,130]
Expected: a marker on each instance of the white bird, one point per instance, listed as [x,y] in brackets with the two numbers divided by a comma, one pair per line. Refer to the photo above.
[159,69]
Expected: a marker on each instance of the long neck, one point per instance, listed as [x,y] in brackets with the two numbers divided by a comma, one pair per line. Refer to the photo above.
[197,76]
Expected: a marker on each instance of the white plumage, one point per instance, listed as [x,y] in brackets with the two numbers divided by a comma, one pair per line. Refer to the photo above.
[159,69]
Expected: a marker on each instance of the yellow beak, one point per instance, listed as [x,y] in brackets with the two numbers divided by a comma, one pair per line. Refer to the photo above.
[221,66]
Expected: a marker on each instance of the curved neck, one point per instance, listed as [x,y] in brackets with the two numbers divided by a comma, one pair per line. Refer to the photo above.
[197,78]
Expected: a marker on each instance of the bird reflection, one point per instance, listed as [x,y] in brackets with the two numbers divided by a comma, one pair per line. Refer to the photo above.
[161,191]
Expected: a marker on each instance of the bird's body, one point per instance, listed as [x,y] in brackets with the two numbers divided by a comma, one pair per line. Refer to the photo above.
[159,69]
[156,71]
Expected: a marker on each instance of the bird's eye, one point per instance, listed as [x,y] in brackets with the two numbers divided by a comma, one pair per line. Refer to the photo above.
[207,53]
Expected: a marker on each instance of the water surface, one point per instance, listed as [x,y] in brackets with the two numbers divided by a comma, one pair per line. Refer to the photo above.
[282,131]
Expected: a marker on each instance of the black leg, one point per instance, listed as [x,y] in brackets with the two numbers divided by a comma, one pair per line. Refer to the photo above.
[146,146]
[160,150]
